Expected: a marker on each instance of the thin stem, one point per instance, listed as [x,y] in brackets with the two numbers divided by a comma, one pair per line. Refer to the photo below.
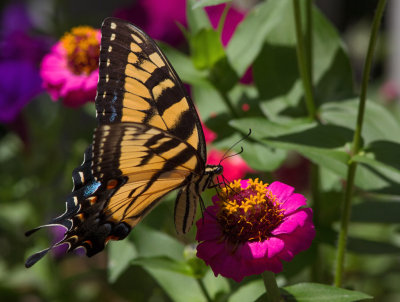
[344,225]
[316,268]
[309,40]
[228,104]
[222,19]
[273,293]
[302,61]
[367,69]
[204,289]
[345,219]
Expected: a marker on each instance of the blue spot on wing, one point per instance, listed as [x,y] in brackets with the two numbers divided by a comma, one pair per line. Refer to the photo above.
[114,111]
[90,188]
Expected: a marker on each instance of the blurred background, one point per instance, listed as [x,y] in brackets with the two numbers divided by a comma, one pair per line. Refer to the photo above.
[42,141]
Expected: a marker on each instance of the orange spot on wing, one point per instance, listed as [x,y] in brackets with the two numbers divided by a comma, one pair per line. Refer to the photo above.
[111,184]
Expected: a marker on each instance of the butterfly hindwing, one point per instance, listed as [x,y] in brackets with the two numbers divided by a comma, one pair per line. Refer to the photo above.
[150,162]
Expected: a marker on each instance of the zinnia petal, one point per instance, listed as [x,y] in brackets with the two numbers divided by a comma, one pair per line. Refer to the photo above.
[294,202]
[281,191]
[291,222]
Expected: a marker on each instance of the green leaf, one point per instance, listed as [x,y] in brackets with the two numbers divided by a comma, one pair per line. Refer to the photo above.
[324,145]
[248,292]
[180,288]
[208,100]
[206,48]
[275,69]
[216,286]
[262,128]
[379,123]
[261,157]
[203,3]
[376,212]
[313,292]
[222,76]
[370,247]
[164,263]
[386,153]
[196,17]
[184,66]
[151,243]
[120,255]
[249,36]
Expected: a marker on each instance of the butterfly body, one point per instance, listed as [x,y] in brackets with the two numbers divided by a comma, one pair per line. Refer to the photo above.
[149,142]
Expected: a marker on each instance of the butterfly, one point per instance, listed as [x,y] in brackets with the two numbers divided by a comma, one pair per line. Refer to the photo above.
[149,142]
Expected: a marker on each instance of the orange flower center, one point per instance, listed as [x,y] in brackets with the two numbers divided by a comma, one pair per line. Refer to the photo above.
[248,214]
[83,49]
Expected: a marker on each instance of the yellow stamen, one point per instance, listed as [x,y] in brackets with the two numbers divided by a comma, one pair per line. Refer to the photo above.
[83,49]
[248,214]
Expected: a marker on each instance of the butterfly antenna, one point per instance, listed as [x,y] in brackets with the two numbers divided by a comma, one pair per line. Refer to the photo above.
[230,148]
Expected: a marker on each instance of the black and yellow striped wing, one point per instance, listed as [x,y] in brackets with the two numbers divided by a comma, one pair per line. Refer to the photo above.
[149,142]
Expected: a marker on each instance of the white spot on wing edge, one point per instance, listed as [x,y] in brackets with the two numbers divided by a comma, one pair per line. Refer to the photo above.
[113,25]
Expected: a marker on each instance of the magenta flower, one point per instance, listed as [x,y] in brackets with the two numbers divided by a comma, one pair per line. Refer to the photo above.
[233,19]
[252,227]
[157,18]
[70,70]
[209,135]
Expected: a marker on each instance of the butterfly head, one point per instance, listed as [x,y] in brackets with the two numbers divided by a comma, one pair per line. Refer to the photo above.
[214,170]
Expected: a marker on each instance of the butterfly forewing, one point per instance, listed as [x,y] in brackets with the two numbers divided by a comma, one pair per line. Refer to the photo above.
[138,84]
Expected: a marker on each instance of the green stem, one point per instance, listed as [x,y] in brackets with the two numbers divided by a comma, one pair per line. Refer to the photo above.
[345,219]
[223,17]
[367,69]
[302,61]
[316,268]
[344,225]
[273,293]
[308,40]
[204,289]
[228,104]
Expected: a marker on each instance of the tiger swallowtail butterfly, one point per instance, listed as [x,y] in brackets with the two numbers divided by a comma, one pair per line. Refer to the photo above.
[149,142]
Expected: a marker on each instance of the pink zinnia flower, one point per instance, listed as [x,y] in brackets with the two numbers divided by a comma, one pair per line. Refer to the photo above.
[209,135]
[70,70]
[252,227]
[234,167]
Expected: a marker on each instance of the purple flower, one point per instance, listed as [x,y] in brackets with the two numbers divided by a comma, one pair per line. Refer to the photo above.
[252,227]
[15,18]
[19,84]
[20,54]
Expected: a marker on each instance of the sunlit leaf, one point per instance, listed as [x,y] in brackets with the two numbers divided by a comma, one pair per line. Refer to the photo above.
[197,18]
[312,292]
[120,255]
[248,292]
[203,3]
